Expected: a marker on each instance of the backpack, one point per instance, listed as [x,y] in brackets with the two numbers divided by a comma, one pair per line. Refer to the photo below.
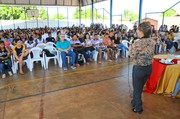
[48,53]
[80,60]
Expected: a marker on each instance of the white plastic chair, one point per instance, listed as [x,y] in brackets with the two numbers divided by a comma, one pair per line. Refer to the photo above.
[55,57]
[41,45]
[50,44]
[95,55]
[36,51]
[15,64]
[116,56]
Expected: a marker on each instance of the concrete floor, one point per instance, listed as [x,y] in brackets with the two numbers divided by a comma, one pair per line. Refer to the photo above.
[97,91]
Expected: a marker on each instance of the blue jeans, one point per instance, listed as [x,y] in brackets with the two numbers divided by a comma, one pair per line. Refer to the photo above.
[169,44]
[77,53]
[140,75]
[8,64]
[123,48]
[71,54]
[177,88]
[90,53]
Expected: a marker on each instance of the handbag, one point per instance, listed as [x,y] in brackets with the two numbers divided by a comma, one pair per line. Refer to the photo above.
[79,49]
[91,48]
[4,61]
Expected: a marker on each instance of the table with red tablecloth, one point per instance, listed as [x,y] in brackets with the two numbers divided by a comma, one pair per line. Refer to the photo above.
[157,70]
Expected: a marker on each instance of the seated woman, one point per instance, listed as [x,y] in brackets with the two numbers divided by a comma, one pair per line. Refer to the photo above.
[5,59]
[117,42]
[39,39]
[176,90]
[29,43]
[20,53]
[7,43]
[65,47]
[97,43]
[107,42]
[88,46]
[78,48]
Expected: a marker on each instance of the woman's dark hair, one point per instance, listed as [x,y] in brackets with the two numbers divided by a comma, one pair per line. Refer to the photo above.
[6,36]
[145,27]
[17,39]
[1,42]
[85,35]
[74,35]
[58,32]
[39,36]
[31,38]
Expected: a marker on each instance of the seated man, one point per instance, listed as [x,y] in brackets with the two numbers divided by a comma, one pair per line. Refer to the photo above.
[97,43]
[50,38]
[65,47]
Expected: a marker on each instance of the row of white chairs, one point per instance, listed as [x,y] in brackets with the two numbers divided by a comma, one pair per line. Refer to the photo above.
[38,55]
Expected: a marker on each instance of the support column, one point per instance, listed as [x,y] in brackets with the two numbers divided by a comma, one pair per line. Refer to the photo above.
[13,16]
[47,16]
[85,15]
[121,18]
[79,12]
[25,17]
[111,5]
[140,11]
[92,11]
[67,17]
[58,16]
[103,16]
[163,19]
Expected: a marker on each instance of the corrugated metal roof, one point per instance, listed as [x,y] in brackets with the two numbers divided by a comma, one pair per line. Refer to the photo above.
[50,2]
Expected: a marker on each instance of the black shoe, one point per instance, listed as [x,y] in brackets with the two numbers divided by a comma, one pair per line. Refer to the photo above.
[139,112]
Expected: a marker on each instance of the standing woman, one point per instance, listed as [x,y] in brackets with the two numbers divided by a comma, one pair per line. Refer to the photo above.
[142,52]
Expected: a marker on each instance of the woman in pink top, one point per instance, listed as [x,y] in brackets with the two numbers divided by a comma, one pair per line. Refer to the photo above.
[7,43]
[107,42]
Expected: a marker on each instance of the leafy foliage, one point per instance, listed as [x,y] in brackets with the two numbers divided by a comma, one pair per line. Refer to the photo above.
[19,12]
[87,14]
[169,13]
[58,16]
[129,15]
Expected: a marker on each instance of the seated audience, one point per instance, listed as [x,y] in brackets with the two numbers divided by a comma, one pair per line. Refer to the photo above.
[50,38]
[30,43]
[78,48]
[107,42]
[65,47]
[5,59]
[88,46]
[97,43]
[20,53]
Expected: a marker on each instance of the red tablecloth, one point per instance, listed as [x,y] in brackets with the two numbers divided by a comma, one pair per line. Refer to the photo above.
[157,70]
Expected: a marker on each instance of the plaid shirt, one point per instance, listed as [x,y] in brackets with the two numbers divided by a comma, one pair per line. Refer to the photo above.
[143,51]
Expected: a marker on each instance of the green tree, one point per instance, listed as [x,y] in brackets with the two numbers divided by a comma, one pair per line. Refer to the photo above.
[129,15]
[14,12]
[43,14]
[169,13]
[56,16]
[87,14]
